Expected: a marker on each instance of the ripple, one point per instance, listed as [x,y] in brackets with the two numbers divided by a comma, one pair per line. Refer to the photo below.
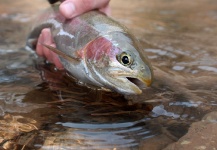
[186,104]
[99,136]
[13,103]
[96,126]
[178,68]
[17,65]
[16,17]
[161,52]
[208,68]
[160,111]
[4,51]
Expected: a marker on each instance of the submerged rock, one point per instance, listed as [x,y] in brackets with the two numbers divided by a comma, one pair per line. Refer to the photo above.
[202,135]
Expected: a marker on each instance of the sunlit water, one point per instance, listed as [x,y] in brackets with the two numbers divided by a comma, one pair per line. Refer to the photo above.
[41,108]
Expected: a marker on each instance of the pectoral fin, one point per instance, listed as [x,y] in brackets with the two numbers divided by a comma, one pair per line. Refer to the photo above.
[61,54]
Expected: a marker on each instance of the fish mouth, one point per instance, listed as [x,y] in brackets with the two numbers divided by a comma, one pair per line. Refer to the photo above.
[130,82]
[134,85]
[137,82]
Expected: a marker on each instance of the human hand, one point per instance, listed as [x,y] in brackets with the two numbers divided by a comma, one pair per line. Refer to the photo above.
[69,9]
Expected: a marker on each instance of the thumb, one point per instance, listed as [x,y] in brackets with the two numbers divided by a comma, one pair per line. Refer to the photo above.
[72,8]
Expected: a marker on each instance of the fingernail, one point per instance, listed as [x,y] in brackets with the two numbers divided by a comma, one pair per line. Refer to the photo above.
[67,9]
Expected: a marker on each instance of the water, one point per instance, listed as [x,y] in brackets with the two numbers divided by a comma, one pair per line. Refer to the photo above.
[41,108]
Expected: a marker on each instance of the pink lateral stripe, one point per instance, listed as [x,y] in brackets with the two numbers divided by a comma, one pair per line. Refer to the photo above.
[100,48]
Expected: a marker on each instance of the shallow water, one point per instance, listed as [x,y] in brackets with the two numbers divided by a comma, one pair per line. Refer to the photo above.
[40,108]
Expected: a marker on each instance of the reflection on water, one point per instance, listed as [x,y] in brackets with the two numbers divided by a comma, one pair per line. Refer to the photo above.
[42,108]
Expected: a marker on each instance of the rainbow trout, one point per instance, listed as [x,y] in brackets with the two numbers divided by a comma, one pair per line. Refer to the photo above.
[96,50]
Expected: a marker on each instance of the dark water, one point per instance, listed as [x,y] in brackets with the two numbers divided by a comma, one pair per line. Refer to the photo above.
[41,108]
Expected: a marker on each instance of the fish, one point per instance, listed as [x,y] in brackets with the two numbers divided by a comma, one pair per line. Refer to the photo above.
[96,50]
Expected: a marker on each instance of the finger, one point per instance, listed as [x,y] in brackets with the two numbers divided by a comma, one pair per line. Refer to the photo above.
[72,8]
[57,62]
[55,58]
[47,39]
[39,46]
[106,10]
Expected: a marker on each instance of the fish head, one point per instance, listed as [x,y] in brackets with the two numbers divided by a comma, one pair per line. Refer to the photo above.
[117,62]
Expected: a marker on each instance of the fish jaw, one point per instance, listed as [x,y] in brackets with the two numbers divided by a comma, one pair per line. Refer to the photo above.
[127,87]
[127,81]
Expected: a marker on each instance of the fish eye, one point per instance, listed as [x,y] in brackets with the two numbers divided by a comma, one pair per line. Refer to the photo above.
[125,59]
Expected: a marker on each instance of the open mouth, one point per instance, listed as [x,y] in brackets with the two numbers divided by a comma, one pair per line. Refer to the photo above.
[137,82]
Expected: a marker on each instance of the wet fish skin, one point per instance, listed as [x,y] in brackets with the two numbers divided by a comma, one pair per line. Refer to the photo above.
[96,50]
